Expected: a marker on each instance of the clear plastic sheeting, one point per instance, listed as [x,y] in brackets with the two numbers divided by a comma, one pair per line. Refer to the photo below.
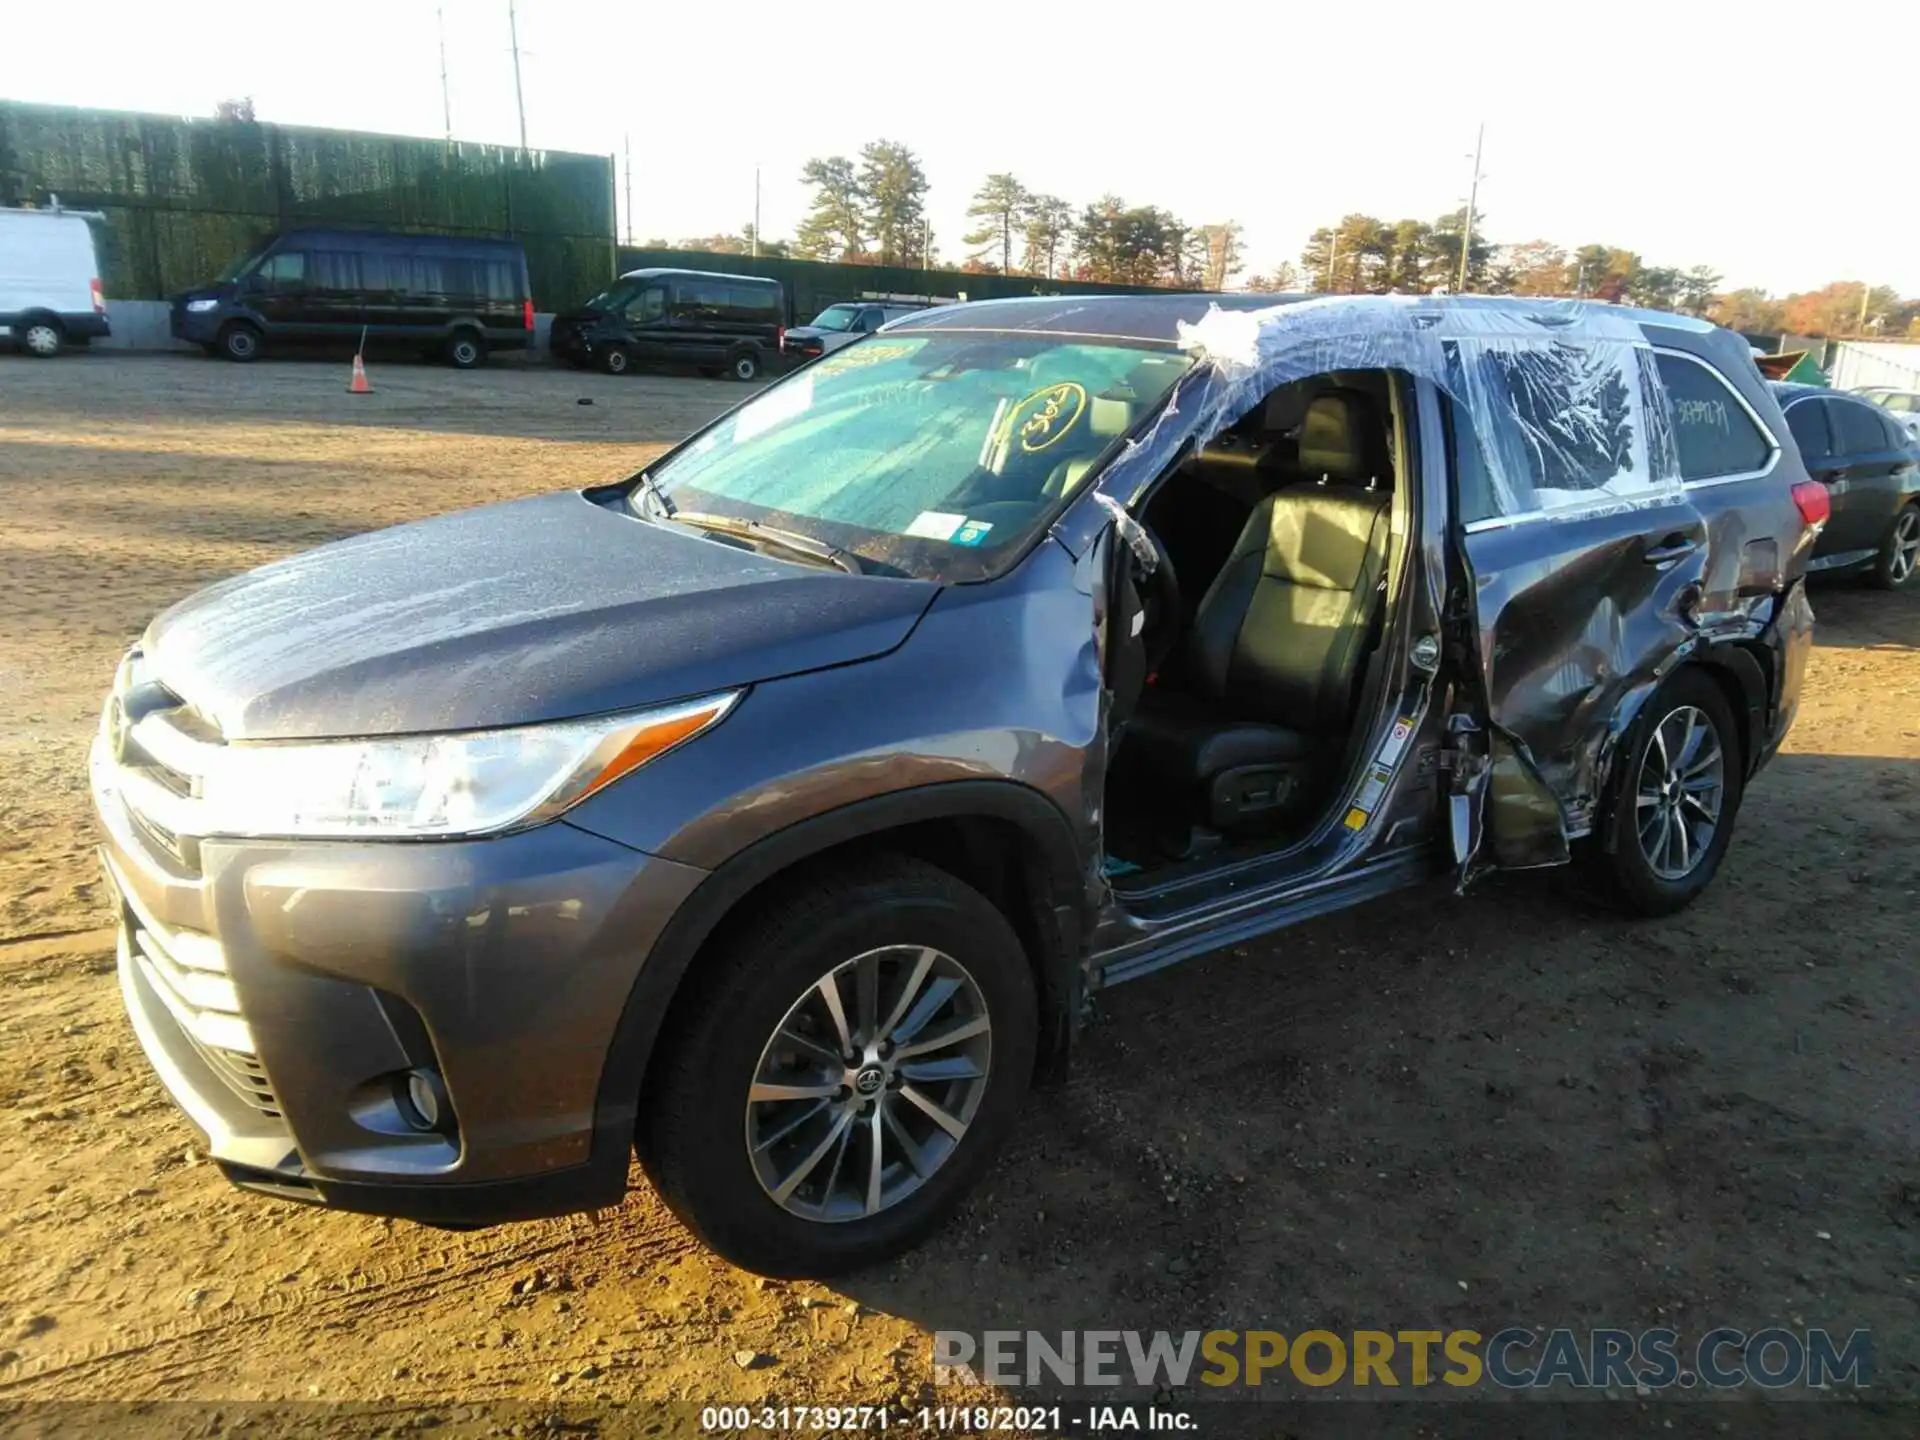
[1562,397]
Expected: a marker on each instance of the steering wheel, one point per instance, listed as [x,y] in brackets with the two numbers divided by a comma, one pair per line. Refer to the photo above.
[1159,593]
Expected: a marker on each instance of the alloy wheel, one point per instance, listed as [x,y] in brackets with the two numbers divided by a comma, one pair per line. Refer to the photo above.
[869,1083]
[1906,546]
[1682,786]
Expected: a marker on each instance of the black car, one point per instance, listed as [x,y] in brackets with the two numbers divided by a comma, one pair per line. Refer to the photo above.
[777,809]
[717,324]
[1871,468]
[445,296]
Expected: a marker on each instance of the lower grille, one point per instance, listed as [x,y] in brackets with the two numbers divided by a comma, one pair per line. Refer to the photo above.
[187,970]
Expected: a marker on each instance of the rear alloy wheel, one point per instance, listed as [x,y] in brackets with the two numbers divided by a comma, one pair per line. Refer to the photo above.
[40,339]
[464,350]
[1676,790]
[843,1072]
[615,360]
[744,365]
[1900,552]
[240,343]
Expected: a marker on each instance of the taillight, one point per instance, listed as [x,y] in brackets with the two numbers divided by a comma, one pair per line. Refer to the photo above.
[1814,504]
[99,298]
[526,314]
[781,342]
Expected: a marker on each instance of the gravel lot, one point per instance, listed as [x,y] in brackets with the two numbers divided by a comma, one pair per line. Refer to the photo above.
[1431,1113]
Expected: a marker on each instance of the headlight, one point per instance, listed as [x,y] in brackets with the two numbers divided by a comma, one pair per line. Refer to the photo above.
[200,307]
[427,786]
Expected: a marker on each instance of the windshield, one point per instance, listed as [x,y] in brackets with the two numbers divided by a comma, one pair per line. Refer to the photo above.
[239,267]
[935,455]
[615,297]
[836,317]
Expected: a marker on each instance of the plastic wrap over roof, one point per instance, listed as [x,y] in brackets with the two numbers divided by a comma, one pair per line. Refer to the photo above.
[1562,397]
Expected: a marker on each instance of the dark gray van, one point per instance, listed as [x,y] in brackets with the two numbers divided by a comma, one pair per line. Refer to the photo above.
[776,811]
[716,324]
[445,296]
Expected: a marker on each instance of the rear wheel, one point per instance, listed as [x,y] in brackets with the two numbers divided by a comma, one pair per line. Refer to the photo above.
[844,1072]
[464,350]
[744,365]
[1675,792]
[1899,552]
[615,360]
[41,338]
[240,342]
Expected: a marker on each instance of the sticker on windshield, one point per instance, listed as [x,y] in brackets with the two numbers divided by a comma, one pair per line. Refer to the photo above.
[1047,416]
[874,352]
[935,525]
[974,532]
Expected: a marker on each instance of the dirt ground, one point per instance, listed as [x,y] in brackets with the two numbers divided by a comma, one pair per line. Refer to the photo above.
[1432,1112]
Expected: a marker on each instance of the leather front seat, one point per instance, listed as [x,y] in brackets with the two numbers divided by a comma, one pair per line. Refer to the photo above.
[1280,638]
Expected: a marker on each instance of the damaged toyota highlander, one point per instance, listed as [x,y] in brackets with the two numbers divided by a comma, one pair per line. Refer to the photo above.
[776,812]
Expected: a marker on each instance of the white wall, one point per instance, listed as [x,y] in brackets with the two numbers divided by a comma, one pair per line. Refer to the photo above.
[1857,363]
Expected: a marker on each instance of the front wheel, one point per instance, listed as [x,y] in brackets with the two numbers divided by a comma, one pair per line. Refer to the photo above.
[1675,792]
[744,365]
[240,343]
[1899,552]
[843,1073]
[615,360]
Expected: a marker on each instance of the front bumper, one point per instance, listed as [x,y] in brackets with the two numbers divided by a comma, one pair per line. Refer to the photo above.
[200,327]
[281,988]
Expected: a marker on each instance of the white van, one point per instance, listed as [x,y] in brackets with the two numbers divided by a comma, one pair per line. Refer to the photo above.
[50,292]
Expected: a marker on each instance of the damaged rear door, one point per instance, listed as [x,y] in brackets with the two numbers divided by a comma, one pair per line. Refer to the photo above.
[1581,558]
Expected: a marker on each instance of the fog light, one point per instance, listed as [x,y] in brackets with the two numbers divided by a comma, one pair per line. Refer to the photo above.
[426,1105]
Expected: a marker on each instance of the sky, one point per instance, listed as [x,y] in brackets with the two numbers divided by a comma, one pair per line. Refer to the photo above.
[1689,131]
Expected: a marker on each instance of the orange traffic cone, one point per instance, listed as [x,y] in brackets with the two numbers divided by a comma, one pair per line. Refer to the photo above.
[358,385]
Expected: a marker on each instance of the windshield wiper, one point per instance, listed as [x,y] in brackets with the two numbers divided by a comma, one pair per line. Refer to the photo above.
[791,540]
[649,489]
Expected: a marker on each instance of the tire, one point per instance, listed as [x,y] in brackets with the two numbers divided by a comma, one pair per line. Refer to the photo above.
[1665,849]
[615,360]
[720,1159]
[744,365]
[240,343]
[465,349]
[40,337]
[1899,552]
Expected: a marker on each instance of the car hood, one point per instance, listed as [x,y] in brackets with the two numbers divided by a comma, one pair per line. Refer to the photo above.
[540,609]
[806,332]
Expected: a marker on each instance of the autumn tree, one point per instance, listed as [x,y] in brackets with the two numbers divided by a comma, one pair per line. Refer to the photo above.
[1534,267]
[1222,242]
[1000,205]
[1751,310]
[894,190]
[1696,289]
[836,226]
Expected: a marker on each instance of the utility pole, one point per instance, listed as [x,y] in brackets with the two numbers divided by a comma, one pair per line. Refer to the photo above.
[627,142]
[756,212]
[1866,292]
[446,104]
[519,96]
[1333,260]
[1473,199]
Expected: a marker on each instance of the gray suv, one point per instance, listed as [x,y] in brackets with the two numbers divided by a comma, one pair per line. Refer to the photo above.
[777,811]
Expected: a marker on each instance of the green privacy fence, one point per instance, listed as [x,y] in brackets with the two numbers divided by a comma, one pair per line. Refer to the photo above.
[812,285]
[183,197]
